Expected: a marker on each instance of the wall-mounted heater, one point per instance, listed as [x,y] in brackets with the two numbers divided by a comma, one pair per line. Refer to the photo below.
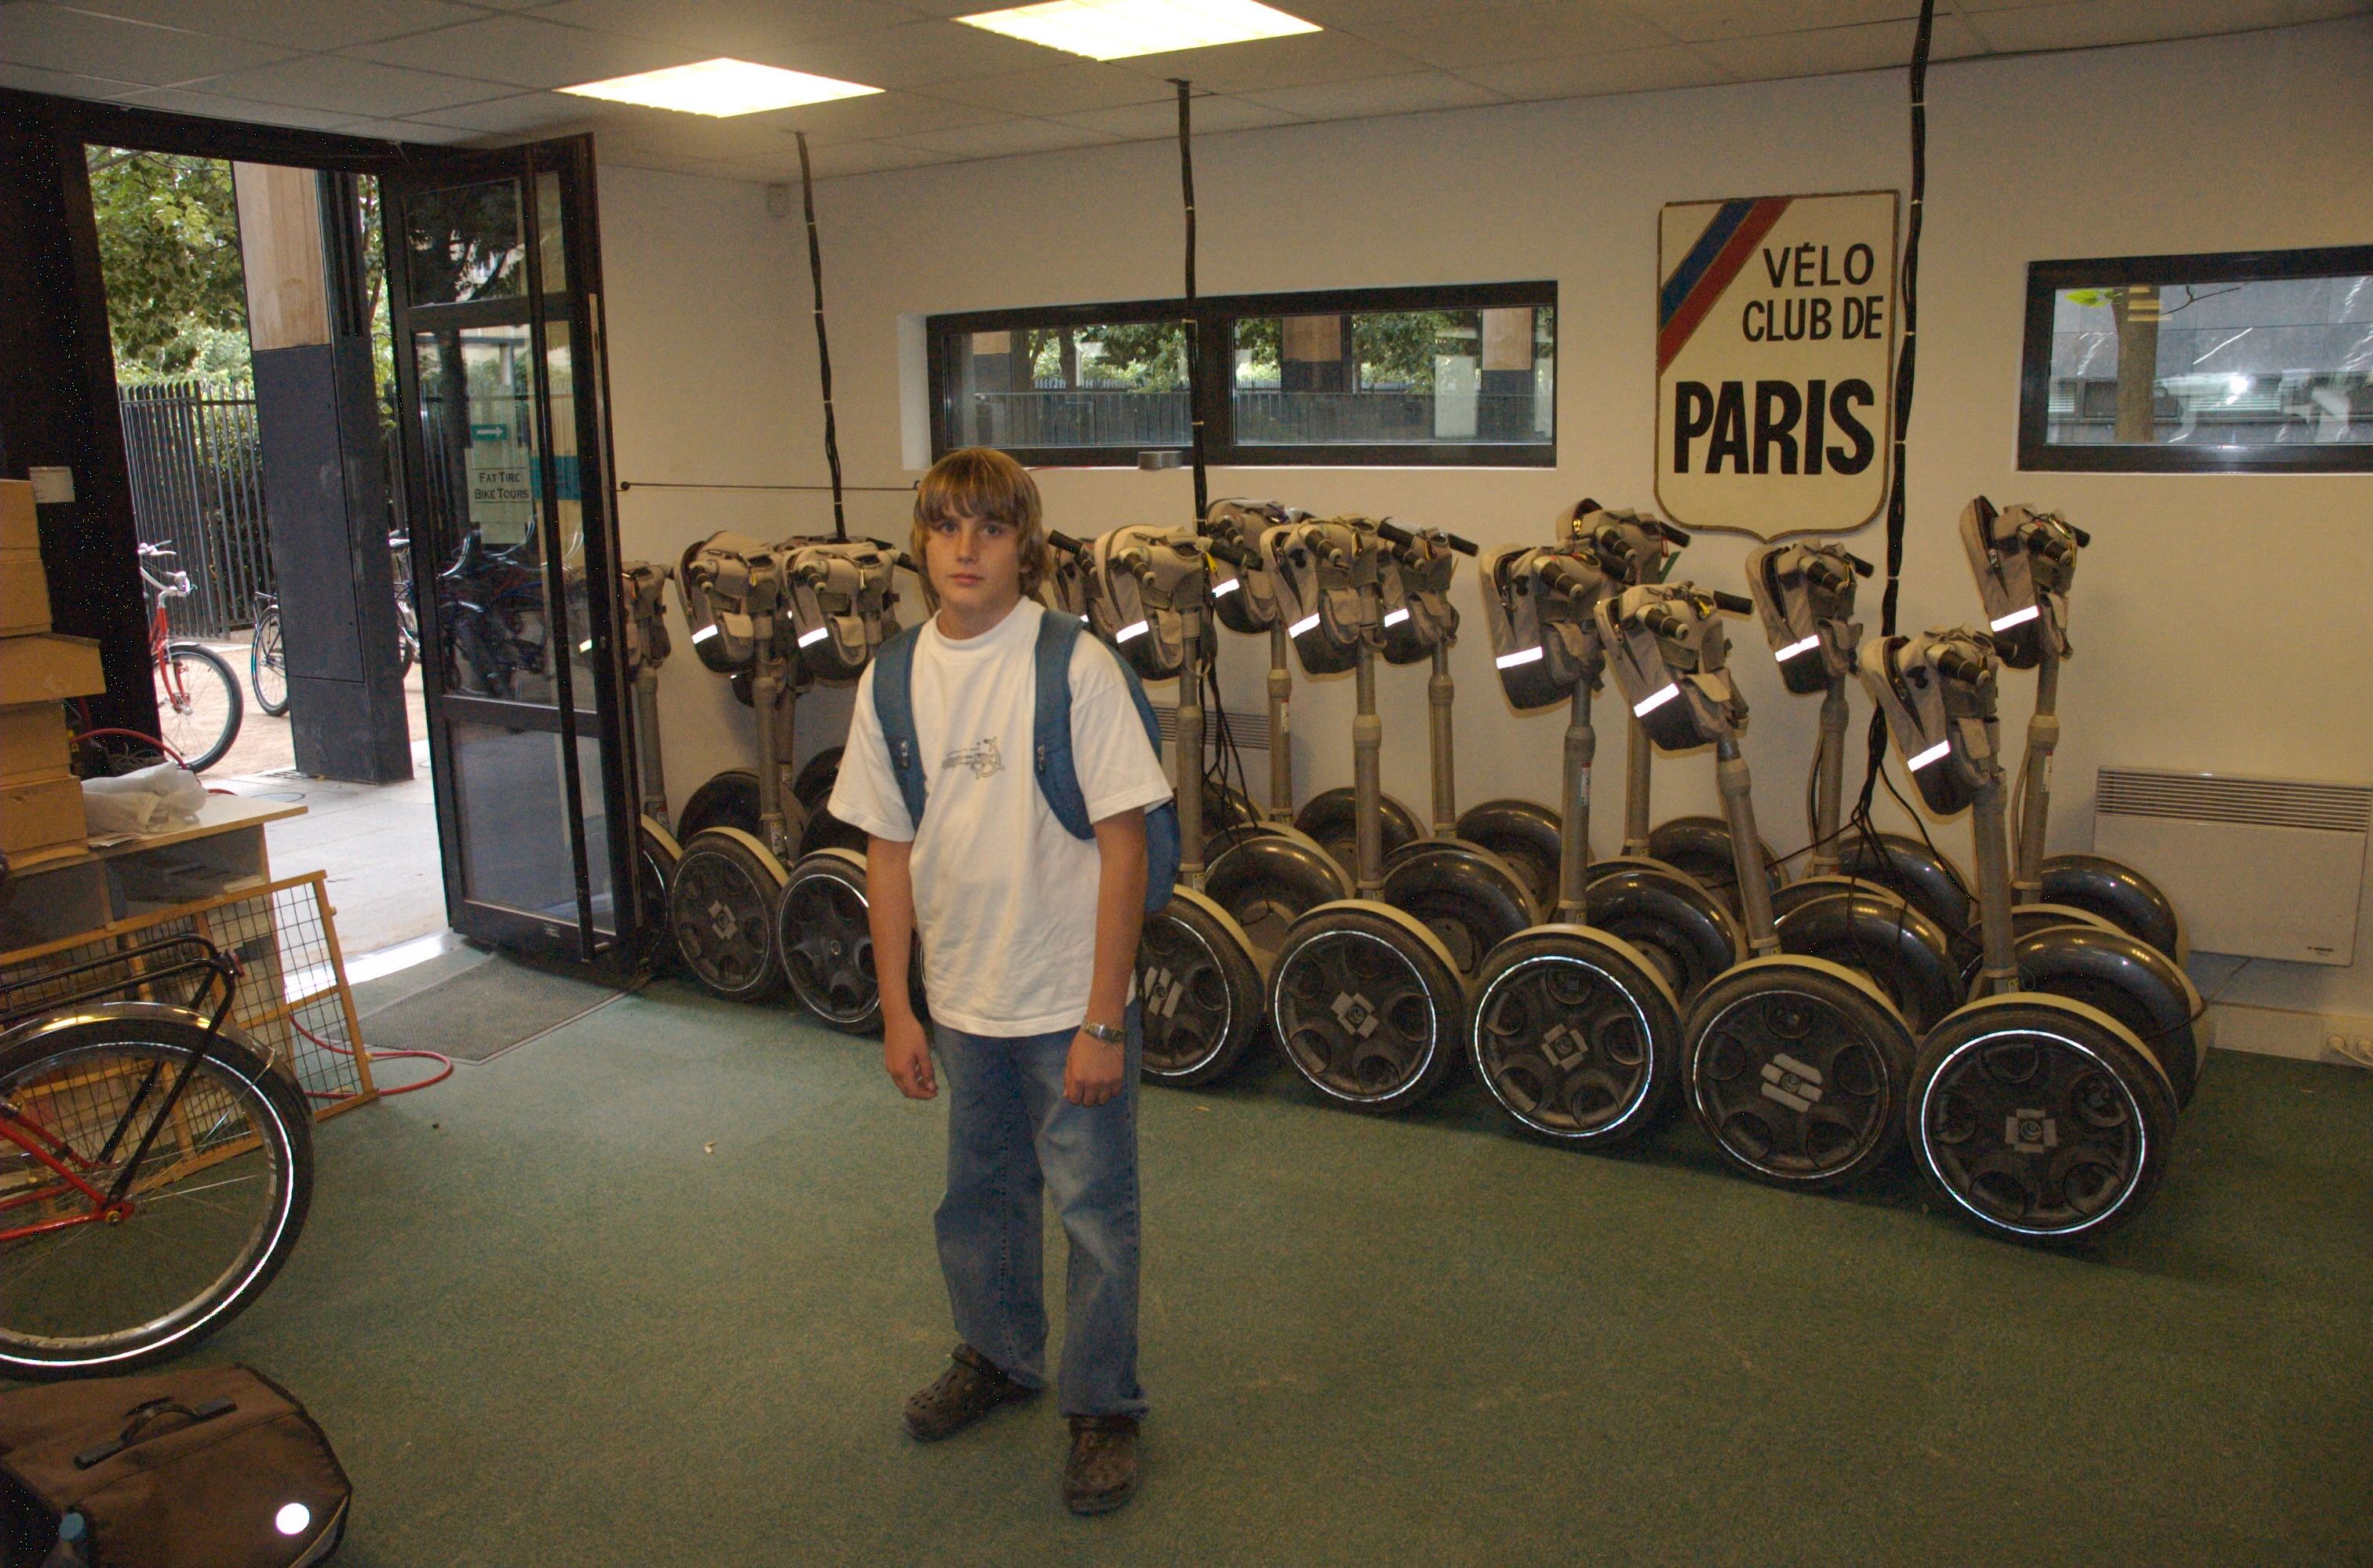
[2266,868]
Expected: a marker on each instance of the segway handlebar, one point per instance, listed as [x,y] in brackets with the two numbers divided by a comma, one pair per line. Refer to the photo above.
[1395,533]
[1672,535]
[1068,544]
[1736,603]
[1236,555]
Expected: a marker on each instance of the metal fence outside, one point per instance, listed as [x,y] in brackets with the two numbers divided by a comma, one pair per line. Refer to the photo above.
[198,488]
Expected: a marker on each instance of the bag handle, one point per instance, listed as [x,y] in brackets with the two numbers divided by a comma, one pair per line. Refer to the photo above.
[140,1417]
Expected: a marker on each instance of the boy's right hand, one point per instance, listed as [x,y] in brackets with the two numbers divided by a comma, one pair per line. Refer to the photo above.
[906,1054]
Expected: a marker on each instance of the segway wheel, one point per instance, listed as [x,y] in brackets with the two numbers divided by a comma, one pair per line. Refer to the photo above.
[1470,899]
[1525,834]
[1367,1006]
[826,831]
[1921,875]
[2131,981]
[1798,1070]
[1698,847]
[2040,1120]
[730,799]
[813,785]
[1683,931]
[2119,894]
[1880,934]
[1576,1035]
[658,850]
[825,944]
[1267,880]
[1199,990]
[1331,817]
[721,906]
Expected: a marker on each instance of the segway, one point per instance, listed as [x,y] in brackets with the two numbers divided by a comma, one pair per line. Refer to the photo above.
[643,592]
[1244,598]
[1575,1031]
[2025,562]
[1198,976]
[1804,594]
[1796,1067]
[837,607]
[1364,999]
[728,888]
[2036,1116]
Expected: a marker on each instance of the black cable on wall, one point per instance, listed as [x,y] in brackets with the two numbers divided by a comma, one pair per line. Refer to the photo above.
[1193,333]
[823,345]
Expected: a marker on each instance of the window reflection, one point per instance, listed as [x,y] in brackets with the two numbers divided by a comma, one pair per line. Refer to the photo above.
[464,243]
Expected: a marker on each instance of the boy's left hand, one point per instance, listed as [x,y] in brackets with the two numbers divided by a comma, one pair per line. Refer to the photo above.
[1094,1071]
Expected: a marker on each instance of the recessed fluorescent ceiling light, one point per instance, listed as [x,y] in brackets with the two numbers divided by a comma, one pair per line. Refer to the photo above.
[721,88]
[1117,29]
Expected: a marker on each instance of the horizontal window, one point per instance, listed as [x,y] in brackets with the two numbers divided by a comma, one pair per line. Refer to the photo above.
[1444,375]
[2259,360]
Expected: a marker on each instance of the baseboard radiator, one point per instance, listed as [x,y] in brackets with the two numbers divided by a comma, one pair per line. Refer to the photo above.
[2265,868]
[1249,730]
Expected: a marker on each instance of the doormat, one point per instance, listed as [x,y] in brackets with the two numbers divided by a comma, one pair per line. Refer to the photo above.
[484,1012]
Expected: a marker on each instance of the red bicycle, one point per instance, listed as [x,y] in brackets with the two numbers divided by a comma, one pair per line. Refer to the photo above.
[155,1166]
[198,705]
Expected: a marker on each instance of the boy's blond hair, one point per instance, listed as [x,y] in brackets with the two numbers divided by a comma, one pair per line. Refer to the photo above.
[984,482]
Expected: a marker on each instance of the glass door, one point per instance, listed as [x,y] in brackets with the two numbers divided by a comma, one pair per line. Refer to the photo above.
[494,290]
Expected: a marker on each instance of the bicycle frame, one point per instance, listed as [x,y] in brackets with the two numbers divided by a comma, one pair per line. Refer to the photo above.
[22,1130]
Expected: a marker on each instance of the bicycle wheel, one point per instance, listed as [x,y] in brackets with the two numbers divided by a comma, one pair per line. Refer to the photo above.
[213,1211]
[267,665]
[407,638]
[198,704]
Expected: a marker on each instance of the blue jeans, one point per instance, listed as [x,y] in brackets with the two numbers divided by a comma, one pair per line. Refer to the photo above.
[1012,1136]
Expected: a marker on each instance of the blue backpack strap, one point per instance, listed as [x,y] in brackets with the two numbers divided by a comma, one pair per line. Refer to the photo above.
[893,705]
[1058,776]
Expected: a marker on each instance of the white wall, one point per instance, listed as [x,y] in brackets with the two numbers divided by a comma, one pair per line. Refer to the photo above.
[2246,142]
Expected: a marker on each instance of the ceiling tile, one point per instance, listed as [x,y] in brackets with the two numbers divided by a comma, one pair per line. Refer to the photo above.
[1213,114]
[65,84]
[215,106]
[1415,93]
[314,25]
[1456,39]
[876,115]
[1006,137]
[709,167]
[517,111]
[842,159]
[1268,62]
[691,136]
[1055,89]
[1592,76]
[58,39]
[357,87]
[745,30]
[1373,19]
[404,131]
[526,51]
[1827,51]
[1691,20]
[2095,22]
[915,54]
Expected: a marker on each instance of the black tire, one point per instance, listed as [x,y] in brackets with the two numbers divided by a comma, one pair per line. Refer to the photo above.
[1199,990]
[1911,868]
[1528,835]
[267,664]
[1266,882]
[201,721]
[722,905]
[2119,894]
[1878,934]
[730,799]
[67,1072]
[1365,1005]
[1699,848]
[813,785]
[658,850]
[826,831]
[2131,981]
[1225,806]
[2040,1121]
[1575,1035]
[1468,898]
[825,944]
[1331,817]
[1798,1072]
[1685,932]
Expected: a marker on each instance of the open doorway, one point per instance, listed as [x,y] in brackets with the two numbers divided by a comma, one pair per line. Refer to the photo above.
[169,246]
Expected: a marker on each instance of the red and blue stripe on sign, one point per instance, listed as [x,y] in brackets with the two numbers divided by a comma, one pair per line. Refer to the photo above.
[1737,228]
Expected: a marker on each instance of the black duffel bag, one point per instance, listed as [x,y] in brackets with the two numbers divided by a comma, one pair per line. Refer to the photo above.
[212,1466]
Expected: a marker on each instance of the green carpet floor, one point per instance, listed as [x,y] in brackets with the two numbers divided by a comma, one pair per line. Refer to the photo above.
[651,1290]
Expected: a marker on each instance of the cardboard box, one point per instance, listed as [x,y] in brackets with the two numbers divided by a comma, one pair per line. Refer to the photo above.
[32,742]
[19,529]
[41,815]
[49,669]
[23,593]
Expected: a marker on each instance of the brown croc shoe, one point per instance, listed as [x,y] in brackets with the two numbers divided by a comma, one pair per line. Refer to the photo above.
[967,1390]
[1101,1474]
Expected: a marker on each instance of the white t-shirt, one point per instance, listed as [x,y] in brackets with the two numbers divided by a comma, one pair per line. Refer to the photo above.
[1005,898]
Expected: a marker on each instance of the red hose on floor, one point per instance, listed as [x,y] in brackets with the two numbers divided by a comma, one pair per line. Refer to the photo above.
[377,1056]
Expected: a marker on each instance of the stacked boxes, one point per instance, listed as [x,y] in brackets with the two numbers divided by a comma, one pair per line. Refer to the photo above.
[40,800]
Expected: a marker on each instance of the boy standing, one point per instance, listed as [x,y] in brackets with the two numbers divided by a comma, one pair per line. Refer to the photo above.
[1031,940]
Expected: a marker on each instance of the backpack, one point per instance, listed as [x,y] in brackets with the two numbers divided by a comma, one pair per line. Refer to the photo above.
[211,1467]
[1050,743]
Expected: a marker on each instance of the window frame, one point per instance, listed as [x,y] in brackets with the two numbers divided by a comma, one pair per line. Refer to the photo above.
[1214,318]
[2037,453]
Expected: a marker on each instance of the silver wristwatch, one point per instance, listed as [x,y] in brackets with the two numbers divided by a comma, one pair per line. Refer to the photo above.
[1105,1033]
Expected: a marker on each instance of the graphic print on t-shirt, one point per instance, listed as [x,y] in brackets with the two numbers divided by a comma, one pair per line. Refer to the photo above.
[981,756]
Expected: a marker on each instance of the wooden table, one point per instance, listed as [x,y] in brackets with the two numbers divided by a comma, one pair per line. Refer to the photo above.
[85,888]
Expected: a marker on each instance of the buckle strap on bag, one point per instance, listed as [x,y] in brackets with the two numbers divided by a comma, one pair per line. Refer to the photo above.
[141,1417]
